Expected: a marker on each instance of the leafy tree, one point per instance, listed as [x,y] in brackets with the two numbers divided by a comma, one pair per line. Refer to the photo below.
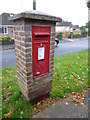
[88,4]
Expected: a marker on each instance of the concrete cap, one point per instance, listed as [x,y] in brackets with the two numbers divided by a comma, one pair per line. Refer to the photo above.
[37,15]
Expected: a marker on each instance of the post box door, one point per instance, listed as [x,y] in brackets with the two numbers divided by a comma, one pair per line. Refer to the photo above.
[41,50]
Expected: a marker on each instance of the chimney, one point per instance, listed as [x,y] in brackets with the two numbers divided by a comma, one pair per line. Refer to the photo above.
[34,4]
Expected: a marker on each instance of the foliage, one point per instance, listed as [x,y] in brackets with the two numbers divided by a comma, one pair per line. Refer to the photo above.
[75,34]
[59,35]
[83,31]
[6,37]
[88,4]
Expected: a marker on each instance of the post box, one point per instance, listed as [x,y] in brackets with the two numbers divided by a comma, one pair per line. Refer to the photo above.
[41,50]
[34,34]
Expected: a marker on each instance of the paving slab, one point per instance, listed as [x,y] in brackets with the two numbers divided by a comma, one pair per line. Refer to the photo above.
[66,109]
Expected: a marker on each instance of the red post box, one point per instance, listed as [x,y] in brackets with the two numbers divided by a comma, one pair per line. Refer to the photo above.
[41,50]
[34,34]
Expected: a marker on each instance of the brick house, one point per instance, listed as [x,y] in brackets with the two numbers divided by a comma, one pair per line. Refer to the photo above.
[6,26]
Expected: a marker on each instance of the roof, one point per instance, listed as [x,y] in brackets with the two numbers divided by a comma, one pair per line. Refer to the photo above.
[76,26]
[36,15]
[63,23]
[5,19]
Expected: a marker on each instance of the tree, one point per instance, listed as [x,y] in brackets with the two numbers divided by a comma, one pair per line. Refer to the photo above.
[88,4]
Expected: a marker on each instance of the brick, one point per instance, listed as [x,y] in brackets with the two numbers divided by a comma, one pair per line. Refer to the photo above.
[27,59]
[25,64]
[18,38]
[52,51]
[25,44]
[52,56]
[18,28]
[52,47]
[52,43]
[19,47]
[27,34]
[26,73]
[15,28]
[27,27]
[53,34]
[28,39]
[53,29]
[21,33]
[53,39]
[16,33]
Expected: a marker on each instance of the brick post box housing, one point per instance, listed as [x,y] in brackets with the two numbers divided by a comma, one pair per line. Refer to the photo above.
[34,34]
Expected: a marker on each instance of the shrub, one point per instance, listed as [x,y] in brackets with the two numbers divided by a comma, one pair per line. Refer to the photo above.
[5,37]
[59,35]
[76,34]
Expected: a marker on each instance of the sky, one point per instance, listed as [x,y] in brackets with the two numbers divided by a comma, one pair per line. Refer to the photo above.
[74,11]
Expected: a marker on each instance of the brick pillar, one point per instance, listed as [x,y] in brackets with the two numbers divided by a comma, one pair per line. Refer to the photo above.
[32,88]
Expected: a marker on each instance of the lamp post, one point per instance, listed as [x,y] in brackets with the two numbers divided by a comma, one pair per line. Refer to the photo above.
[34,4]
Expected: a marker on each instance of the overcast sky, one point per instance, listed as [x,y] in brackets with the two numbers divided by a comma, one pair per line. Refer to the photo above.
[74,11]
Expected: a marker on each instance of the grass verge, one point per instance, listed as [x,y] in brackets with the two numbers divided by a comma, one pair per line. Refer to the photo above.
[70,74]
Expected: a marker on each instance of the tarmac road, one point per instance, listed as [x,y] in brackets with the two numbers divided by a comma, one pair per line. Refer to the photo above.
[9,59]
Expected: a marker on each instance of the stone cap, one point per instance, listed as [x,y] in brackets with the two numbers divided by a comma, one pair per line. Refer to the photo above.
[37,15]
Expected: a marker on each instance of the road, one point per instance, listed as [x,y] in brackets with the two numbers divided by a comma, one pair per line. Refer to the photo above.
[9,60]
[71,47]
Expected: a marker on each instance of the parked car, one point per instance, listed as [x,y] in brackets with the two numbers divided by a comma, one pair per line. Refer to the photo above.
[56,41]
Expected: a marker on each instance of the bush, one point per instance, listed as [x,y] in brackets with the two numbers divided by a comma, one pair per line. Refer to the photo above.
[83,34]
[76,34]
[6,37]
[59,35]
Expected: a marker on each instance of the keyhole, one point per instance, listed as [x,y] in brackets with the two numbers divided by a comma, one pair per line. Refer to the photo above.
[41,44]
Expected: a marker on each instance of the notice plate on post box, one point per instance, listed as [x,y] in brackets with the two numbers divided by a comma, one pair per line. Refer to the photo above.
[41,53]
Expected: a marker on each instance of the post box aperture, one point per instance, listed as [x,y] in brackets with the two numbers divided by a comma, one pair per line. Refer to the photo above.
[41,50]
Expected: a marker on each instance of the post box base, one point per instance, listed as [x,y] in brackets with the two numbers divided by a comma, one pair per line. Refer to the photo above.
[39,94]
[43,97]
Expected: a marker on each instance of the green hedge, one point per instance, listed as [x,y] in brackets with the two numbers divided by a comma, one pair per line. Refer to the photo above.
[59,35]
[5,37]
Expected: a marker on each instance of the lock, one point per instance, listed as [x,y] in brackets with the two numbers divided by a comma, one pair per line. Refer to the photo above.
[41,44]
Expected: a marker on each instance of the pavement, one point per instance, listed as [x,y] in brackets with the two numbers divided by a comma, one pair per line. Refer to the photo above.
[6,47]
[66,109]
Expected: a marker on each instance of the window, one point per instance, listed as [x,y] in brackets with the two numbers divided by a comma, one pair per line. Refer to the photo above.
[4,30]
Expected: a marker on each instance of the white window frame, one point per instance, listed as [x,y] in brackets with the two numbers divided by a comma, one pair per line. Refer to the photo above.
[6,30]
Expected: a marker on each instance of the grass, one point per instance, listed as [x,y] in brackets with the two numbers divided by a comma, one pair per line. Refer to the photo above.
[13,103]
[70,74]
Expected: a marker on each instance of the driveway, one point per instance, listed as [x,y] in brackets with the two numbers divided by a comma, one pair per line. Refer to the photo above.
[9,60]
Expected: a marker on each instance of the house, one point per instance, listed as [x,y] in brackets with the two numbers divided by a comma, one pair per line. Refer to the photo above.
[76,28]
[6,26]
[63,26]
